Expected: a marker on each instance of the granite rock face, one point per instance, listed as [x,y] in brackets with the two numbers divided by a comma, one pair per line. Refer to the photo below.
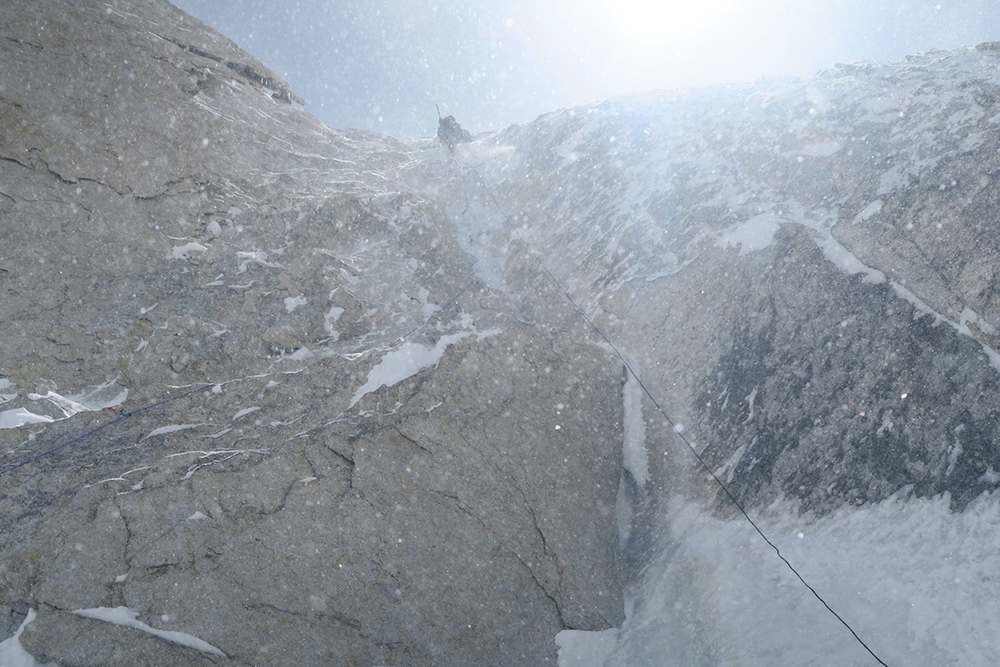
[337,445]
[298,395]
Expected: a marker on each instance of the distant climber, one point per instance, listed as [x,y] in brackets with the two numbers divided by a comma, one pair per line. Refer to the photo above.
[451,133]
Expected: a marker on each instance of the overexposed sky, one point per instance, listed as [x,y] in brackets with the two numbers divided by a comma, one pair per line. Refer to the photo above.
[384,64]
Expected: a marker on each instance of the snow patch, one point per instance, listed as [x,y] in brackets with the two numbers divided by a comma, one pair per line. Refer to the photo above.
[300,354]
[255,257]
[915,580]
[92,399]
[332,316]
[991,476]
[755,234]
[293,302]
[408,360]
[127,618]
[162,430]
[820,149]
[184,251]
[868,211]
[213,229]
[12,654]
[6,385]
[245,411]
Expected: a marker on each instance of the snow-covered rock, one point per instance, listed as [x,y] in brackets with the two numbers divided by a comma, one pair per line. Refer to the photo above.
[301,395]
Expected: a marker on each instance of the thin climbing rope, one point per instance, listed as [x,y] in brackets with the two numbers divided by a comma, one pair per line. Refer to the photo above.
[558,285]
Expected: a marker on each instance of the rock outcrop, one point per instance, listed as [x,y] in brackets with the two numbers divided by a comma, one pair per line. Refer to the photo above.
[311,435]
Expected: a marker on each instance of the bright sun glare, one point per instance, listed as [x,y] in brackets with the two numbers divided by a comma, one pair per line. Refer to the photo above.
[666,20]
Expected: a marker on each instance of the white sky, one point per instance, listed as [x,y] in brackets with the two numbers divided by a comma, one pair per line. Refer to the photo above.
[383,64]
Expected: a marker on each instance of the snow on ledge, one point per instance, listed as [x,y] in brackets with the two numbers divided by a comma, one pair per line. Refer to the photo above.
[127,618]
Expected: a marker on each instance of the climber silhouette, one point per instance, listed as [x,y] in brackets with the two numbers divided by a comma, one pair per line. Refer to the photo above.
[450,132]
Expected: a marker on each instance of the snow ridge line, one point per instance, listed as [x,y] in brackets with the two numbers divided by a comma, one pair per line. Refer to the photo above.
[676,428]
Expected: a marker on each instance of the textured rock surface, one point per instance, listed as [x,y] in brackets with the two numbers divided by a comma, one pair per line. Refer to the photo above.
[804,270]
[171,223]
[363,426]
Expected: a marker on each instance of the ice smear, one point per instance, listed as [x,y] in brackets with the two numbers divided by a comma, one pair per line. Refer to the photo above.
[846,260]
[915,580]
[98,397]
[127,618]
[408,360]
[12,654]
[105,395]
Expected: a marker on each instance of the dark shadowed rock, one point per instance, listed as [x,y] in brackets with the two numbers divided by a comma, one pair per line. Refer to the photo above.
[807,282]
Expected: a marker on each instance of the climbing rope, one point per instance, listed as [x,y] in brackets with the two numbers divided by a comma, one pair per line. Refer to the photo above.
[123,415]
[701,461]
